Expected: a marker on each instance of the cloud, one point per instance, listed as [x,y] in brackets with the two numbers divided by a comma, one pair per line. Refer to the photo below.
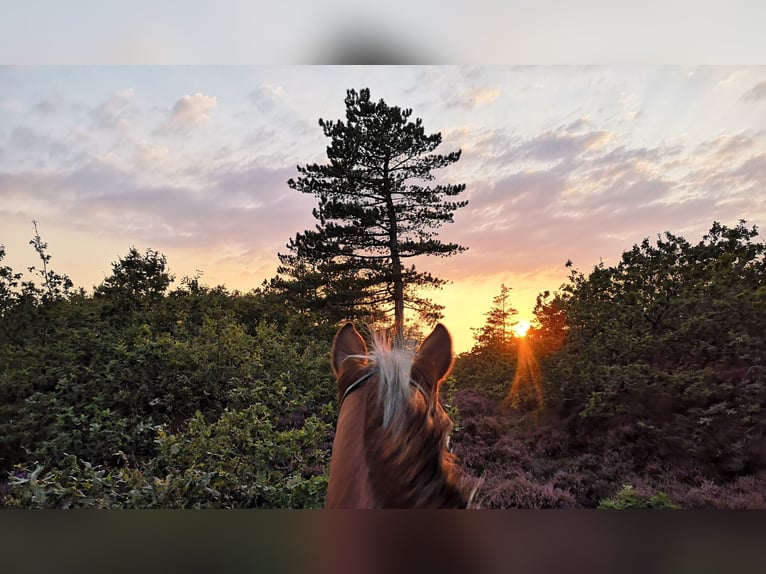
[756,93]
[577,124]
[752,172]
[147,156]
[247,206]
[266,96]
[28,146]
[497,152]
[553,146]
[192,110]
[538,199]
[728,167]
[13,106]
[112,114]
[579,190]
[515,196]
[726,146]
[473,98]
[48,107]
[25,138]
[189,112]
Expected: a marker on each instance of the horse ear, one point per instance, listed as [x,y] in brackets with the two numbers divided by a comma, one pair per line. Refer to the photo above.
[436,353]
[348,342]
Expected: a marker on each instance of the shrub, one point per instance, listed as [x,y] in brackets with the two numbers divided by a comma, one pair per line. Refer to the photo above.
[629,498]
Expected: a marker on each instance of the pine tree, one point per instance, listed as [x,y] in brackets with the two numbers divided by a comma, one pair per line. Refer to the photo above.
[372,215]
[496,331]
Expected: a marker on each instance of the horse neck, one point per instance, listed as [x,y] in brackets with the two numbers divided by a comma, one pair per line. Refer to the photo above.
[408,466]
[348,485]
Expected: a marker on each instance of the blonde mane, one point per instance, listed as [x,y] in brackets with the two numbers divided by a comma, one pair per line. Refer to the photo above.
[394,366]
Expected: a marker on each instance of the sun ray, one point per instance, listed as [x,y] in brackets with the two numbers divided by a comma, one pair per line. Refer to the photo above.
[520,329]
[527,379]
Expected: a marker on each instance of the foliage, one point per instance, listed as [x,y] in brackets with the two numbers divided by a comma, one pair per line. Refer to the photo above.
[238,461]
[629,498]
[136,280]
[243,460]
[496,331]
[147,396]
[490,370]
[372,217]
[492,363]
[447,392]
[670,339]
[54,286]
[142,396]
[653,376]
[9,281]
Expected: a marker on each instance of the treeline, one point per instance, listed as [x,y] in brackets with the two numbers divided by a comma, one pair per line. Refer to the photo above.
[642,384]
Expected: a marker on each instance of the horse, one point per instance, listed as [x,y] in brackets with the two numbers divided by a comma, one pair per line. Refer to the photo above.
[392,435]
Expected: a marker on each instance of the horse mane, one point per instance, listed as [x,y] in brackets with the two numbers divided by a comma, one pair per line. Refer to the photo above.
[394,368]
[406,438]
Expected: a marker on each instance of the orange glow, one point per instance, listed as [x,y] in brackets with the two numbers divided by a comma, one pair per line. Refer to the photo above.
[520,329]
[527,382]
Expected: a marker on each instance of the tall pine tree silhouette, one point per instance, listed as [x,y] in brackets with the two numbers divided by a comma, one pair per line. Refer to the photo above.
[374,214]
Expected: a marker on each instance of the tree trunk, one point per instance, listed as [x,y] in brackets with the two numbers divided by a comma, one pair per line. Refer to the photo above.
[396,262]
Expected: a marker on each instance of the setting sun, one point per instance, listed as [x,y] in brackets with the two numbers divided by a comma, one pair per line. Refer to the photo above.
[521,328]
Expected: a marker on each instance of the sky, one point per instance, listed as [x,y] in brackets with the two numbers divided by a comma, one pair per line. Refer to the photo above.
[560,163]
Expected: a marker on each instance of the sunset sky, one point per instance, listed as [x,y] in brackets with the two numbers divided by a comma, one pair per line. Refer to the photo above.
[559,163]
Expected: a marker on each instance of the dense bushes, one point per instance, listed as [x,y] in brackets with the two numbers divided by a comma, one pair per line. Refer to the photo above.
[671,342]
[653,375]
[648,389]
[238,461]
[141,397]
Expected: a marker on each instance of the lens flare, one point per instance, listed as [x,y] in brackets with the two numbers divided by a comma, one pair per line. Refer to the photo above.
[527,381]
[520,329]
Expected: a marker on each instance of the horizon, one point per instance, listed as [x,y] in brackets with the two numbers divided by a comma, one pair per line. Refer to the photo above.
[559,164]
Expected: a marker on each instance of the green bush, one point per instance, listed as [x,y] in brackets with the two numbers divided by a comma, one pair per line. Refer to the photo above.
[238,461]
[629,498]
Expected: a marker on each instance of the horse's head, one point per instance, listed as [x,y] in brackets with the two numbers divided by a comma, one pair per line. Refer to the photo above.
[390,448]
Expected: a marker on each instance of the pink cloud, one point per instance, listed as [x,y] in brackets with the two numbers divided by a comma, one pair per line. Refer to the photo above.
[188,112]
[756,93]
